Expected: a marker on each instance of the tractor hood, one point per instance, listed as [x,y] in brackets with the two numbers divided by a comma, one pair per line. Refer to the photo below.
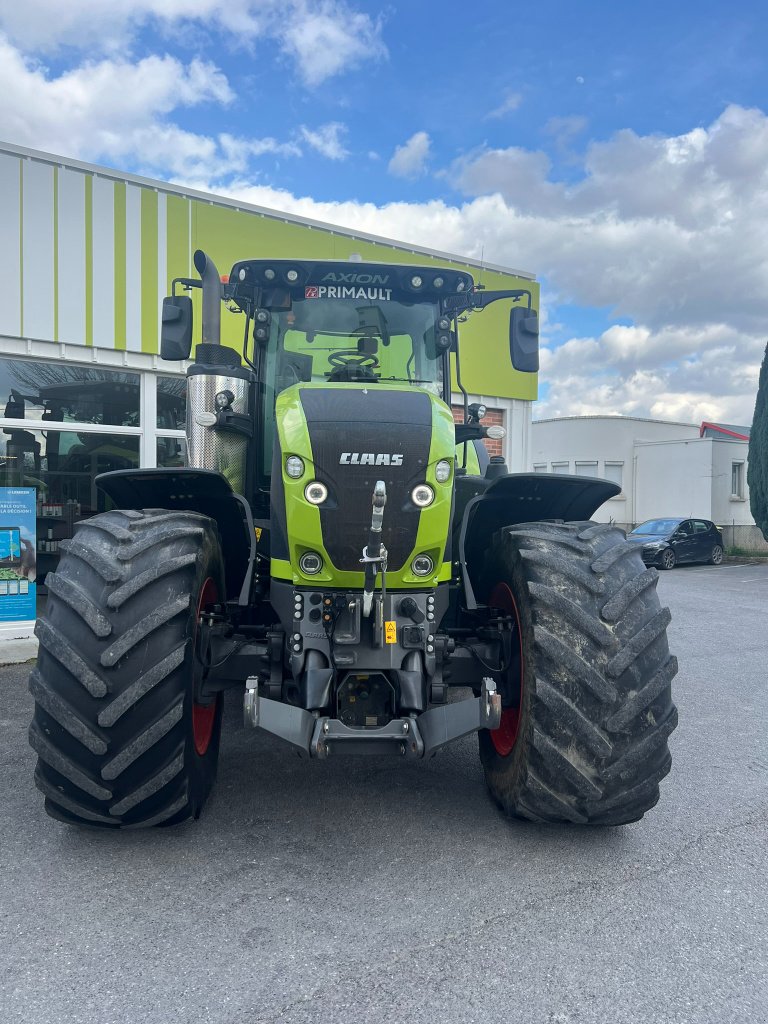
[348,438]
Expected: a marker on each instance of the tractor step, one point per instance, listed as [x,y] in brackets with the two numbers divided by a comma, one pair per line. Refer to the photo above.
[414,736]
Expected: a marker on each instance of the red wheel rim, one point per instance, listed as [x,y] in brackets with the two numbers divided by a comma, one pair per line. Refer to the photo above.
[204,715]
[505,737]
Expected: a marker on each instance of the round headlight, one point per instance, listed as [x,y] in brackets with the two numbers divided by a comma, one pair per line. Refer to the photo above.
[310,563]
[315,492]
[442,471]
[422,495]
[261,316]
[242,273]
[416,281]
[422,565]
[292,276]
[294,466]
[461,284]
[269,274]
[444,323]
[438,282]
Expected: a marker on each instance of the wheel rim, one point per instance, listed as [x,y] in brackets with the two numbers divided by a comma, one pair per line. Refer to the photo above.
[717,554]
[505,737]
[668,559]
[203,715]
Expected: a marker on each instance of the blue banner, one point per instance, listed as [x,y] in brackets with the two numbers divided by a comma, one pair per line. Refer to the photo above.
[18,563]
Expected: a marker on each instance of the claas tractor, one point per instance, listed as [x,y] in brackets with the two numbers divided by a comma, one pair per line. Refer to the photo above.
[351,561]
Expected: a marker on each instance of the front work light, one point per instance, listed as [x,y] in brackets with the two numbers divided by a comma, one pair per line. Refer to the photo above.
[223,400]
[294,466]
[310,563]
[422,565]
[442,471]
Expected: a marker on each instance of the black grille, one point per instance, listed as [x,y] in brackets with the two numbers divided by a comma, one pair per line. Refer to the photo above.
[373,423]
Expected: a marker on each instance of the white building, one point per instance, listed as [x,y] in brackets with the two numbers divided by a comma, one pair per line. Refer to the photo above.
[663,468]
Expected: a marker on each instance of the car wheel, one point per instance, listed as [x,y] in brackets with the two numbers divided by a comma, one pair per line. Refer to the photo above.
[717,555]
[668,559]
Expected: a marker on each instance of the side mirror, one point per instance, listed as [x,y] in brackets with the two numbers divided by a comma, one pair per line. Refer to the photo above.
[176,327]
[524,339]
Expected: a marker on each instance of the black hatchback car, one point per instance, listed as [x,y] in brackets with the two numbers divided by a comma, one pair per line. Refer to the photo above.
[668,542]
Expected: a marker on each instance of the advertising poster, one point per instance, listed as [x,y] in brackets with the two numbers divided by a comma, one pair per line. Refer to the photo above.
[18,590]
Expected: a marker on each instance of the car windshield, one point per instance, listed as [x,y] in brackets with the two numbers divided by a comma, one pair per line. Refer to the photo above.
[367,340]
[658,527]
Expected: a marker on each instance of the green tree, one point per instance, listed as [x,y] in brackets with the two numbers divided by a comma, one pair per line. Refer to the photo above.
[757,465]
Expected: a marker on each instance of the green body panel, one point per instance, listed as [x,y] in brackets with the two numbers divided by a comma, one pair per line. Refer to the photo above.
[303,519]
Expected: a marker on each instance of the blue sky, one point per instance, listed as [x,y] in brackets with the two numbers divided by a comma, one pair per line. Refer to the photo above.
[617,150]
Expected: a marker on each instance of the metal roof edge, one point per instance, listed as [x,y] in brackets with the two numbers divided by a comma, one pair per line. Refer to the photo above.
[216,200]
[617,416]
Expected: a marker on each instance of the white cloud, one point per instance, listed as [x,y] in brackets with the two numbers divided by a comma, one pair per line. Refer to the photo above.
[326,140]
[509,104]
[668,232]
[409,160]
[117,110]
[329,37]
[322,37]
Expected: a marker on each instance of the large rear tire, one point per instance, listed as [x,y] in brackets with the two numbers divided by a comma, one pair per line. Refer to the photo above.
[587,696]
[121,738]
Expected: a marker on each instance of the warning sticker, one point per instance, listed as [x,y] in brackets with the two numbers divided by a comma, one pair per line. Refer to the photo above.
[258,533]
[390,632]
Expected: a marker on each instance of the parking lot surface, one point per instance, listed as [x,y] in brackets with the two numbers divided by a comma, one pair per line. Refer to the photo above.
[355,891]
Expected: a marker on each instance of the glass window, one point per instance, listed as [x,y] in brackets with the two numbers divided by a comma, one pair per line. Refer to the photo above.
[171,451]
[62,465]
[737,479]
[699,526]
[561,467]
[44,390]
[614,471]
[333,340]
[171,403]
[539,467]
[586,469]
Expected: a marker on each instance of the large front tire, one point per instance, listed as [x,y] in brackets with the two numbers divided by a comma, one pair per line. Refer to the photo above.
[121,738]
[588,705]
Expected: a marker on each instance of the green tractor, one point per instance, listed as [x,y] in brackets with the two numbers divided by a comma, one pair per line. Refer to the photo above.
[351,561]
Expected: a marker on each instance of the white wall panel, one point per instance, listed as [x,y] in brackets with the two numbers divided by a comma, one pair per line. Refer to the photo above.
[71,262]
[37,252]
[10,228]
[133,268]
[103,263]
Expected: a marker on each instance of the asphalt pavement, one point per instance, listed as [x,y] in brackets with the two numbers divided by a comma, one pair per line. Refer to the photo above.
[356,891]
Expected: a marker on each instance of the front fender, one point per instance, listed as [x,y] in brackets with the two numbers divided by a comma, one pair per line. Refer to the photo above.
[524,498]
[194,490]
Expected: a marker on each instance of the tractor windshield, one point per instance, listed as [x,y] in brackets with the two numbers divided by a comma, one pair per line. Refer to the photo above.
[328,340]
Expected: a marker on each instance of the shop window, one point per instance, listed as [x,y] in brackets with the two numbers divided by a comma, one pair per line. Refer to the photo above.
[62,466]
[586,469]
[171,403]
[67,393]
[171,451]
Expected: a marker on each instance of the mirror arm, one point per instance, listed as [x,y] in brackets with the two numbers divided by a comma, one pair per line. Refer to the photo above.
[186,282]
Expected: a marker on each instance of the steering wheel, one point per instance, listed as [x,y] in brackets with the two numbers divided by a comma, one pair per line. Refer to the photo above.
[351,357]
[351,365]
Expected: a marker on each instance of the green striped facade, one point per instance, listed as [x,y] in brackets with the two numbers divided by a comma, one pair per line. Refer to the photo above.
[86,256]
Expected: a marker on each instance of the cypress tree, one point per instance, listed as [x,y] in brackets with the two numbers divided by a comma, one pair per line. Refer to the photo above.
[757,462]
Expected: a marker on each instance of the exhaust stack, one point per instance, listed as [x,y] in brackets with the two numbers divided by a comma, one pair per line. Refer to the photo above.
[206,268]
